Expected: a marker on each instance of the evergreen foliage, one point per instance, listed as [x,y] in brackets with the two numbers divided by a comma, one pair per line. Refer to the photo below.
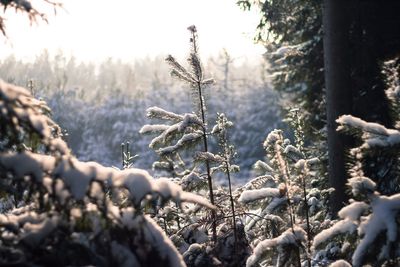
[63,213]
[105,104]
[283,201]
[58,210]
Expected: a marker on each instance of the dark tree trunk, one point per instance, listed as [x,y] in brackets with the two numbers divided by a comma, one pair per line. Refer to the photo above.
[338,91]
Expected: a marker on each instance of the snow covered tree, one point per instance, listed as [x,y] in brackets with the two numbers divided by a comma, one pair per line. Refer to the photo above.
[285,211]
[367,228]
[237,92]
[338,91]
[65,215]
[191,128]
[292,31]
[377,143]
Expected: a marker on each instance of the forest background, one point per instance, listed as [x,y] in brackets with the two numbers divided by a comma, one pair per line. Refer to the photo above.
[335,72]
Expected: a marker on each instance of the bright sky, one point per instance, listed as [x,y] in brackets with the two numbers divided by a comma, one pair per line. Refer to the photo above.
[93,30]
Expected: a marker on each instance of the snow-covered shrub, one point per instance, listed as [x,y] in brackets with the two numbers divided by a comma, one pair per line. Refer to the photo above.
[284,208]
[378,150]
[189,129]
[125,89]
[177,137]
[67,216]
[367,231]
[370,226]
[232,247]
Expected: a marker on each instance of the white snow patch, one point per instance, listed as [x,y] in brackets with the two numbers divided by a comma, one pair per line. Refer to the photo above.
[353,211]
[340,263]
[256,194]
[341,227]
[290,236]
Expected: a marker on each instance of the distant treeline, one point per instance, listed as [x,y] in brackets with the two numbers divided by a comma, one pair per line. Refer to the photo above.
[102,105]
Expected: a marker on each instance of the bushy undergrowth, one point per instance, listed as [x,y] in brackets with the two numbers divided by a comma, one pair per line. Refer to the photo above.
[61,211]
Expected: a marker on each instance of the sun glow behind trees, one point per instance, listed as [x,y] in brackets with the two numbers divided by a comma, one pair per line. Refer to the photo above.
[94,30]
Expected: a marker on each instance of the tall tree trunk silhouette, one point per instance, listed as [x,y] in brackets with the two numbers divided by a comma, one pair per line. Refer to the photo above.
[338,91]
